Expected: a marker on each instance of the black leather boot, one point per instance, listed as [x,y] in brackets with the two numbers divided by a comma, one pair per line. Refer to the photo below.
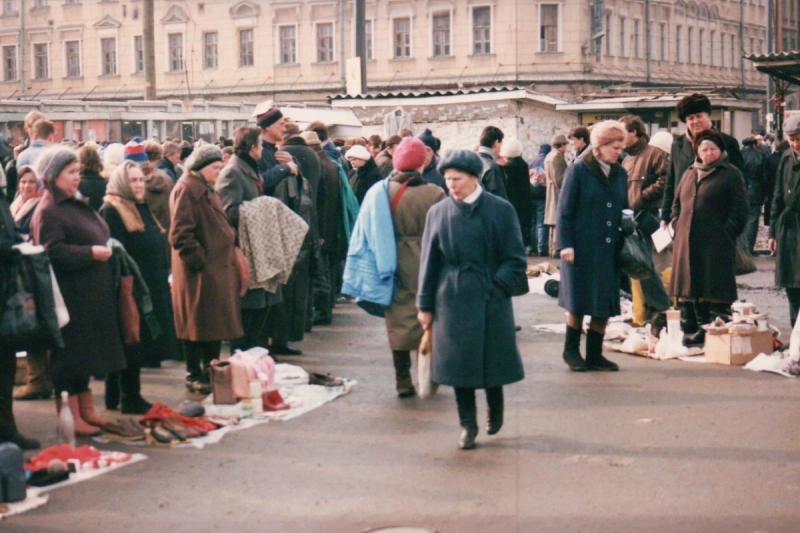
[688,318]
[402,373]
[112,391]
[494,397]
[702,311]
[131,387]
[468,418]
[572,350]
[594,353]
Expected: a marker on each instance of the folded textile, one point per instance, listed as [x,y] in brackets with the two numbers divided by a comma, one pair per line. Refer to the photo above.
[87,456]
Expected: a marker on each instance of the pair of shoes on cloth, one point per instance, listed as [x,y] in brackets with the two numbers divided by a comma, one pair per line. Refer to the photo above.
[325,380]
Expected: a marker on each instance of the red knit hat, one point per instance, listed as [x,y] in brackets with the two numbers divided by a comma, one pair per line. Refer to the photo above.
[409,155]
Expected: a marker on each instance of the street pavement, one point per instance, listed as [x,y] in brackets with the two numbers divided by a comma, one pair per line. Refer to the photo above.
[660,446]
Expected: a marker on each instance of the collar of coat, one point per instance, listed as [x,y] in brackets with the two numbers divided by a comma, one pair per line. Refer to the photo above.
[59,197]
[594,165]
[195,184]
[245,167]
[639,146]
[486,152]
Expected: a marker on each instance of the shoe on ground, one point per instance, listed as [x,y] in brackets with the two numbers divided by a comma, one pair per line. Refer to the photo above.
[323,320]
[135,405]
[278,349]
[326,380]
[601,364]
[467,439]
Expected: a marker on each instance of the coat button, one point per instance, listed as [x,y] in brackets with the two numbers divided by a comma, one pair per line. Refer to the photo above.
[608,205]
[608,240]
[608,223]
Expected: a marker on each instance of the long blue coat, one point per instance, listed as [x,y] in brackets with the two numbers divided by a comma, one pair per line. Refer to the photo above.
[589,216]
[472,259]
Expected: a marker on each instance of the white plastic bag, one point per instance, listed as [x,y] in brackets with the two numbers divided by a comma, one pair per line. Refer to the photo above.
[62,314]
[794,341]
[426,388]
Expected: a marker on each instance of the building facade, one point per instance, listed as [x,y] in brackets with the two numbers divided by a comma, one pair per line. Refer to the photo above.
[297,50]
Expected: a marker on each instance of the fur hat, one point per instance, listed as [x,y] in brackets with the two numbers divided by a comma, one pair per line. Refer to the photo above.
[693,103]
[430,141]
[267,114]
[311,138]
[463,160]
[662,140]
[52,162]
[358,151]
[709,135]
[134,151]
[607,132]
[202,156]
[792,126]
[559,140]
[511,148]
[410,154]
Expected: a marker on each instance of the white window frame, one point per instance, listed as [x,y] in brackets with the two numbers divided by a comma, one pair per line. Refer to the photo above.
[410,18]
[183,52]
[560,18]
[33,61]
[80,58]
[116,55]
[12,12]
[135,59]
[317,24]
[623,36]
[369,39]
[16,61]
[238,47]
[472,30]
[216,50]
[278,51]
[432,15]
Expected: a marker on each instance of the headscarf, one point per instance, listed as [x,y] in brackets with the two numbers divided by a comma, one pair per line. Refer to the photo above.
[120,196]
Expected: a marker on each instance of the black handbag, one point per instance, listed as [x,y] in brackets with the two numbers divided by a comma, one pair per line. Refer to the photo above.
[635,259]
[18,322]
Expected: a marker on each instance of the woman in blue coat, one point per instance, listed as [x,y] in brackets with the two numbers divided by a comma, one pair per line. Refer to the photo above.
[590,206]
[472,262]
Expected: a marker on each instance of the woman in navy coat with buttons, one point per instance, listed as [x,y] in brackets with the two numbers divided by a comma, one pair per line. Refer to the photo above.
[590,206]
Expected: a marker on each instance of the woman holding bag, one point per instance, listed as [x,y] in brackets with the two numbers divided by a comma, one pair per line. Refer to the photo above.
[472,263]
[76,240]
[205,273]
[410,198]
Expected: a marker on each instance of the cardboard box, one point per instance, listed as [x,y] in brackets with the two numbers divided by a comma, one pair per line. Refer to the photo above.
[727,349]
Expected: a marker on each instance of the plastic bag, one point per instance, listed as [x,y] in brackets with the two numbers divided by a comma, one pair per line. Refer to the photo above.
[259,366]
[19,320]
[744,261]
[426,388]
[635,259]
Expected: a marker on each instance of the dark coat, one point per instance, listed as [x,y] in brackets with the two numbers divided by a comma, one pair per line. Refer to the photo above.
[385,165]
[68,228]
[205,277]
[308,162]
[708,218]
[9,236]
[148,249]
[682,157]
[494,177]
[589,217]
[518,183]
[166,166]
[93,187]
[331,215]
[272,172]
[786,221]
[471,254]
[431,174]
[363,178]
[755,174]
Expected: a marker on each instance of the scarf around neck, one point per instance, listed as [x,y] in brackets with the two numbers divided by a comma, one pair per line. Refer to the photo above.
[20,209]
[703,170]
[128,212]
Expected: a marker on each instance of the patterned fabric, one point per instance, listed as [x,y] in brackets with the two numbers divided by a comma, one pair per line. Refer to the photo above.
[270,235]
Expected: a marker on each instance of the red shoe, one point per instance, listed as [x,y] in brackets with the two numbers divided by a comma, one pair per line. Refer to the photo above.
[82,428]
[86,407]
[273,401]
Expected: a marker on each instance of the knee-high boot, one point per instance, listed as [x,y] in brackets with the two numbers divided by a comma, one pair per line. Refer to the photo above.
[494,398]
[572,350]
[131,387]
[467,416]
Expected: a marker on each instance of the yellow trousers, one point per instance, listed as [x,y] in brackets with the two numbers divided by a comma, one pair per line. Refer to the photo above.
[639,309]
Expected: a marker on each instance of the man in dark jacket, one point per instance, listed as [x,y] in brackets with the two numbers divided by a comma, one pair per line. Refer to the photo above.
[773,161]
[755,177]
[695,111]
[431,174]
[494,177]
[171,154]
[8,354]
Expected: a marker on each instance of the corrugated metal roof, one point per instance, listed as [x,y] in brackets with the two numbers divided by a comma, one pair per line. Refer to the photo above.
[437,92]
[782,65]
[775,56]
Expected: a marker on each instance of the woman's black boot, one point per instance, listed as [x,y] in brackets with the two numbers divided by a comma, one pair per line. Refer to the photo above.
[494,397]
[112,391]
[572,350]
[468,417]
[594,353]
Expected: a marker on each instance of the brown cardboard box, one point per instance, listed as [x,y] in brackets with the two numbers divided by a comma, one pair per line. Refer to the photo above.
[727,349]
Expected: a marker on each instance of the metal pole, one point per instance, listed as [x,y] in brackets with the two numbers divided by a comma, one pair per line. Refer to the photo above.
[648,44]
[149,38]
[21,53]
[770,37]
[342,67]
[361,43]
[741,41]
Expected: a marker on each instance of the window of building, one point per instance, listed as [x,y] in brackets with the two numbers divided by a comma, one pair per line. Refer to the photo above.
[663,45]
[690,45]
[9,63]
[622,37]
[72,54]
[39,4]
[325,42]
[723,57]
[733,50]
[401,37]
[701,38]
[607,37]
[482,30]
[175,48]
[288,45]
[441,34]
[637,53]
[368,39]
[210,50]
[108,55]
[678,37]
[9,7]
[41,63]
[246,48]
[548,28]
[138,54]
[712,48]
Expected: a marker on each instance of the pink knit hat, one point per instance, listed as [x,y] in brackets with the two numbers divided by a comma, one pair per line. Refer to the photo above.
[409,155]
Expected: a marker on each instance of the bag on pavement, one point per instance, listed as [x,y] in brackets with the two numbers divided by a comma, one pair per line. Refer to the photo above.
[221,373]
[635,259]
[426,388]
[12,475]
[260,366]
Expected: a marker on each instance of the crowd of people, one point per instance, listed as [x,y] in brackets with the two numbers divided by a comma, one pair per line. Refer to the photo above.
[411,234]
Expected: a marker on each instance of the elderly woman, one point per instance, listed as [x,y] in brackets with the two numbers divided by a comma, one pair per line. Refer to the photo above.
[472,262]
[410,197]
[76,240]
[131,223]
[709,213]
[593,195]
[205,278]
[365,172]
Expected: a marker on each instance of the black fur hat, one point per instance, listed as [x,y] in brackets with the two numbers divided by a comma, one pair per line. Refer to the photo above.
[694,103]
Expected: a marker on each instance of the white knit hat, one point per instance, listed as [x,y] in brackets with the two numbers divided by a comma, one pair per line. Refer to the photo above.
[359,152]
[52,161]
[511,148]
[662,140]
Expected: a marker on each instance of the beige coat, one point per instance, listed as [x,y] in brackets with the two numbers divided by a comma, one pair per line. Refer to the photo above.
[555,165]
[402,325]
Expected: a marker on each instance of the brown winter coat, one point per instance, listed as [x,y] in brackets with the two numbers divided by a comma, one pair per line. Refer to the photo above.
[708,217]
[402,325]
[555,165]
[159,186]
[205,278]
[68,228]
[647,173]
[384,162]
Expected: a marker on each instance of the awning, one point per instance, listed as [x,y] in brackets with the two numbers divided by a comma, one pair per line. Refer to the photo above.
[781,65]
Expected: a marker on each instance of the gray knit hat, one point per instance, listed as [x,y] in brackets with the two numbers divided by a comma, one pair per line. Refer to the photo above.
[202,156]
[52,162]
[792,125]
